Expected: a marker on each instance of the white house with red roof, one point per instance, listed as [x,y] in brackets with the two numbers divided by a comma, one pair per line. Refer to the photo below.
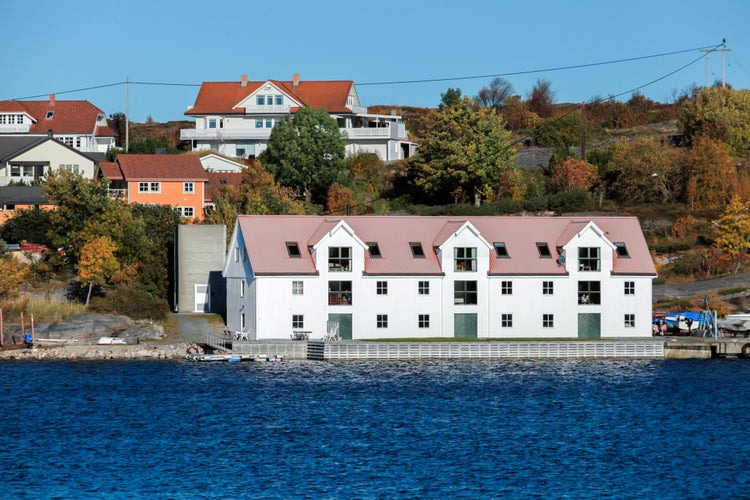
[236,118]
[439,277]
[78,124]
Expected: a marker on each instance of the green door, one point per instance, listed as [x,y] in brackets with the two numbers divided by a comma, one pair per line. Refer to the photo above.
[465,325]
[589,326]
[345,324]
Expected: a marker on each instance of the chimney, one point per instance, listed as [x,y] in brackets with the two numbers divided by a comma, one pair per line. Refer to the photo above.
[295,82]
[243,84]
[52,99]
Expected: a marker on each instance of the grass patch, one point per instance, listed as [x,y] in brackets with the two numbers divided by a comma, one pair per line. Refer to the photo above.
[733,291]
[42,310]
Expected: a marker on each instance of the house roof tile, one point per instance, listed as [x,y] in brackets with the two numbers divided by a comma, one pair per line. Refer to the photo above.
[221,98]
[138,167]
[70,117]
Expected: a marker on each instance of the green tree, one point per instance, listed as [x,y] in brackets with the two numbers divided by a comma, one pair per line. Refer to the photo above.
[78,200]
[719,113]
[733,229]
[465,150]
[449,98]
[31,225]
[306,153]
[117,122]
[561,133]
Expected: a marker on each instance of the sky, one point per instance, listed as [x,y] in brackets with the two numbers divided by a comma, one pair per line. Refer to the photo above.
[62,48]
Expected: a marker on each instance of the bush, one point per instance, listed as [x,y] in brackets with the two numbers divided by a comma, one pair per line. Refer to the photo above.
[132,302]
[671,247]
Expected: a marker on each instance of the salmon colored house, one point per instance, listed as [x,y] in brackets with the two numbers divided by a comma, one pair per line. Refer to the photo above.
[176,180]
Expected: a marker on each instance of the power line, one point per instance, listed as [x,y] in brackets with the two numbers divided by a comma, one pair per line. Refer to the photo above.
[69,91]
[560,68]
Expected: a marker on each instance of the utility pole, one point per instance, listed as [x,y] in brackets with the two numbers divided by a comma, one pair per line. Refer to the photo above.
[723,51]
[127,115]
[583,131]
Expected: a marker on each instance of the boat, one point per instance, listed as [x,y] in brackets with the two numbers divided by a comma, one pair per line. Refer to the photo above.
[745,316]
[233,358]
[687,322]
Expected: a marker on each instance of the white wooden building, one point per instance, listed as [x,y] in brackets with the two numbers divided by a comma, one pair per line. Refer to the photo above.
[236,118]
[439,277]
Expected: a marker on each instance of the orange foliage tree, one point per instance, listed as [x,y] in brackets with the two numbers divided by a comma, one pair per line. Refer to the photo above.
[711,173]
[572,174]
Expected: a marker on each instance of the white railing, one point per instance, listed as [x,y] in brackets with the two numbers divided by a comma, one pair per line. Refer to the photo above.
[14,129]
[224,134]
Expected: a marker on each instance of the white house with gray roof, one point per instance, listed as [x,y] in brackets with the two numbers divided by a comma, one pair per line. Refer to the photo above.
[439,277]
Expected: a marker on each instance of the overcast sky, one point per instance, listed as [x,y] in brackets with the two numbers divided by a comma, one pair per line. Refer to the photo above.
[53,47]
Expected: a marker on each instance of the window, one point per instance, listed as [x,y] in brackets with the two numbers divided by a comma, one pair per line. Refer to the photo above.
[588,259]
[298,288]
[242,288]
[465,259]
[424,288]
[622,250]
[339,259]
[543,249]
[269,123]
[212,123]
[374,249]
[382,287]
[188,212]
[382,321]
[548,320]
[424,321]
[548,287]
[149,187]
[589,293]
[279,100]
[630,288]
[339,293]
[465,292]
[298,321]
[236,254]
[501,251]
[261,100]
[242,322]
[630,321]
[506,321]
[50,115]
[416,249]
[506,288]
[259,123]
[188,187]
[292,248]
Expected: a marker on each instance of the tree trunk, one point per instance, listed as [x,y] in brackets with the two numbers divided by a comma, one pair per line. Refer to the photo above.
[88,295]
[477,198]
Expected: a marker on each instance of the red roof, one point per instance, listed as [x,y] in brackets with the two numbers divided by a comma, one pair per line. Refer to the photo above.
[216,180]
[161,167]
[70,117]
[221,97]
[110,170]
[393,235]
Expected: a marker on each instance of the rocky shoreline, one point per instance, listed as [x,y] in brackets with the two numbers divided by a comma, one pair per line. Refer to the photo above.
[101,352]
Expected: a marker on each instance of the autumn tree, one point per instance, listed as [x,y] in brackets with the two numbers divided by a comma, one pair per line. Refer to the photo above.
[711,173]
[573,174]
[78,200]
[733,229]
[12,274]
[306,153]
[97,263]
[647,171]
[464,148]
[340,200]
[719,113]
[542,98]
[496,95]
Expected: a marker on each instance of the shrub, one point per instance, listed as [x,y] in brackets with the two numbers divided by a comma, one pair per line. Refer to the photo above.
[131,301]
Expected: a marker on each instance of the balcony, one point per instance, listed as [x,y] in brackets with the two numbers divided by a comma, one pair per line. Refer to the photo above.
[223,134]
[118,194]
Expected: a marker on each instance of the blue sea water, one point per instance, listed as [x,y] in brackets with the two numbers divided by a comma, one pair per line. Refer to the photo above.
[427,429]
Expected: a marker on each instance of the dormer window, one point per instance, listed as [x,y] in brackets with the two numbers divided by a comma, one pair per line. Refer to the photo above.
[501,251]
[543,249]
[261,100]
[374,249]
[50,115]
[416,249]
[622,250]
[292,247]
[279,100]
